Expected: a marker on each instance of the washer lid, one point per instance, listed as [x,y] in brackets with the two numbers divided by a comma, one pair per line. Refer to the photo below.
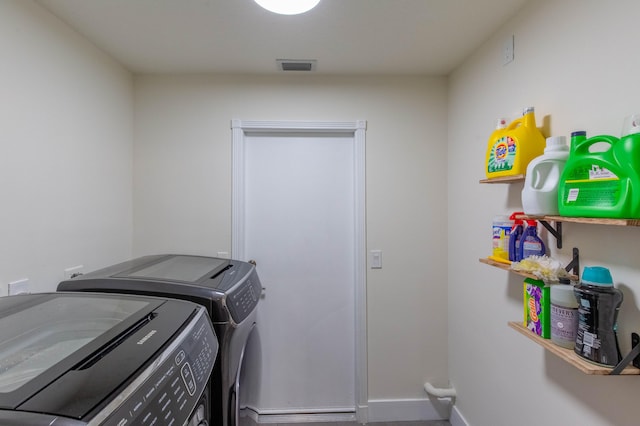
[64,353]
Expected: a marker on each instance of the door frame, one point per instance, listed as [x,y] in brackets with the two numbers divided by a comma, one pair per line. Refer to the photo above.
[241,129]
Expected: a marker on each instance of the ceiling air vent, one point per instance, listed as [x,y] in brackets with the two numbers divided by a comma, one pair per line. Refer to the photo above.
[296,64]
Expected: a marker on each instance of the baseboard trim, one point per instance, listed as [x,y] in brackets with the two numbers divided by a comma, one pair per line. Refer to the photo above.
[378,410]
[456,418]
[399,410]
[291,416]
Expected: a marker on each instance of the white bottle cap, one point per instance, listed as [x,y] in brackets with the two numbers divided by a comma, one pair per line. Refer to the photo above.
[556,143]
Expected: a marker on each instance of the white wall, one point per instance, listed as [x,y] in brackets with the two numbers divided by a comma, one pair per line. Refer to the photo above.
[577,62]
[182,193]
[65,160]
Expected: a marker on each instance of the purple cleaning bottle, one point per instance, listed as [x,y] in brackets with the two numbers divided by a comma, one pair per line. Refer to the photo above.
[530,243]
[515,236]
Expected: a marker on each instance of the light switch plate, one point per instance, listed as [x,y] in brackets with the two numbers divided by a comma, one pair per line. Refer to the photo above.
[376,259]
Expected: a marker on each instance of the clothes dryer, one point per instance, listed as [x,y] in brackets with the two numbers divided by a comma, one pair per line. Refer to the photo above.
[229,289]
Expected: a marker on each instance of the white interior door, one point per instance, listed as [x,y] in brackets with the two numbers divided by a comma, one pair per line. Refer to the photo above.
[299,224]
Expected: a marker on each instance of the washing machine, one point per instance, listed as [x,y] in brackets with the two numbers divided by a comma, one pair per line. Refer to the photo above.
[228,289]
[79,359]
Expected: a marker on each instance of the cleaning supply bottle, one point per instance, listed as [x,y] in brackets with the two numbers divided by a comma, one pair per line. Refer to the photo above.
[501,229]
[510,150]
[627,152]
[601,177]
[530,243]
[598,306]
[540,190]
[514,237]
[564,315]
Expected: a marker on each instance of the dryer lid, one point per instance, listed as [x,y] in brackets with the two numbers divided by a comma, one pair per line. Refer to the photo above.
[182,268]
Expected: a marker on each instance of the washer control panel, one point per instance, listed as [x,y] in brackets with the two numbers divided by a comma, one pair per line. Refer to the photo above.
[168,391]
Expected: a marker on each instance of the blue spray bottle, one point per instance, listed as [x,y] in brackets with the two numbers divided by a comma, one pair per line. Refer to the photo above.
[515,236]
[530,243]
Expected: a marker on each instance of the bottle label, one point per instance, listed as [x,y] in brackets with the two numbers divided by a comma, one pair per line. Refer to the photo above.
[564,322]
[502,155]
[501,241]
[596,338]
[531,247]
[587,340]
[592,185]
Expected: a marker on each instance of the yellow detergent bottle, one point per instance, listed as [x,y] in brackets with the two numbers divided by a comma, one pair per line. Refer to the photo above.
[511,149]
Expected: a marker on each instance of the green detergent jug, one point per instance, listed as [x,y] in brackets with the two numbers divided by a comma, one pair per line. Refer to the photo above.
[599,182]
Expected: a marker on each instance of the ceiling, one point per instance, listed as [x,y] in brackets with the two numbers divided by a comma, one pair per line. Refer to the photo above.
[427,37]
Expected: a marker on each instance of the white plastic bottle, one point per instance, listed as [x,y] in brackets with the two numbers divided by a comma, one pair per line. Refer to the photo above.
[540,192]
[564,315]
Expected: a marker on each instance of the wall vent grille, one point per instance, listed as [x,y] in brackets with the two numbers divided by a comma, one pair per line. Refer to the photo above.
[304,65]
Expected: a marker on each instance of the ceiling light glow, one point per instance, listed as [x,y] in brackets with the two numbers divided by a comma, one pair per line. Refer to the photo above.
[288,7]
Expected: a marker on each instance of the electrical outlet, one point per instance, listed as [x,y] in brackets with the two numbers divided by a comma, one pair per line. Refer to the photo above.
[19,287]
[73,272]
[507,50]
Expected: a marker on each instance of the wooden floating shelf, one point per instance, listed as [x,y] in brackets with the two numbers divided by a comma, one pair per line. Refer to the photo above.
[504,179]
[506,267]
[595,220]
[587,220]
[569,355]
[531,217]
